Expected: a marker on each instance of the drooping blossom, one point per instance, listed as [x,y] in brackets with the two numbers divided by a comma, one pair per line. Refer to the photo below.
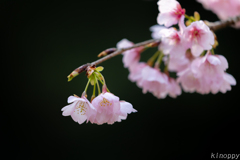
[135,70]
[79,110]
[153,81]
[109,109]
[223,8]
[170,12]
[207,74]
[131,56]
[172,42]
[188,81]
[198,37]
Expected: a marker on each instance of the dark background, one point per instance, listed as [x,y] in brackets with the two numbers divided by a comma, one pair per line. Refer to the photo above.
[43,41]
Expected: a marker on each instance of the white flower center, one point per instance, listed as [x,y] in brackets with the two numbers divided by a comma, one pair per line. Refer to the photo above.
[81,108]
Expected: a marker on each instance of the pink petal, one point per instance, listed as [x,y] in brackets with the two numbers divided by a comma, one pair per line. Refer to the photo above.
[230,79]
[196,50]
[213,60]
[167,5]
[127,107]
[67,110]
[166,19]
[72,99]
[224,62]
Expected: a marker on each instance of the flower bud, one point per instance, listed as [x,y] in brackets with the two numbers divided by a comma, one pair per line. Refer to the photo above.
[107,52]
[196,16]
[77,71]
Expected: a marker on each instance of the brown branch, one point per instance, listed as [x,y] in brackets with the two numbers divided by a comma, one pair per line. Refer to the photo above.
[214,26]
[119,51]
[84,67]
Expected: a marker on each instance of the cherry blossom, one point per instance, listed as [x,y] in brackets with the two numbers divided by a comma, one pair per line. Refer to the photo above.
[80,109]
[207,74]
[178,64]
[109,109]
[135,70]
[198,37]
[188,81]
[170,12]
[132,56]
[172,42]
[153,81]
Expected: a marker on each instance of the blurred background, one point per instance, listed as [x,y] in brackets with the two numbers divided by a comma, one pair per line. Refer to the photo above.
[44,41]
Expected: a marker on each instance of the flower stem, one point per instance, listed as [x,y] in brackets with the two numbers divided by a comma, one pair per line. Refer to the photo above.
[189,18]
[212,51]
[99,91]
[94,88]
[153,58]
[87,85]
[159,60]
[166,66]
[103,82]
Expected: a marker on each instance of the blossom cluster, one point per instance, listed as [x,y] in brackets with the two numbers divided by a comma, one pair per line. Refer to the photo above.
[105,108]
[188,51]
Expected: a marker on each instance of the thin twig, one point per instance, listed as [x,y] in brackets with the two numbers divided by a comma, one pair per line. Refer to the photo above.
[214,26]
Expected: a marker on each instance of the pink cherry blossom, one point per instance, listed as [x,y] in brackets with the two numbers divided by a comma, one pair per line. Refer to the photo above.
[177,64]
[170,12]
[131,56]
[135,70]
[172,42]
[80,109]
[109,109]
[207,74]
[223,8]
[198,37]
[153,81]
[188,81]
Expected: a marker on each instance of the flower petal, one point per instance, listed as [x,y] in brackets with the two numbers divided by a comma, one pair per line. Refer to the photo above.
[196,50]
[72,99]
[126,107]
[67,110]
[213,60]
[230,79]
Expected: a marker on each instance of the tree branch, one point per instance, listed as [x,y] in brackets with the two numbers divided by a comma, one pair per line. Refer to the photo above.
[214,26]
